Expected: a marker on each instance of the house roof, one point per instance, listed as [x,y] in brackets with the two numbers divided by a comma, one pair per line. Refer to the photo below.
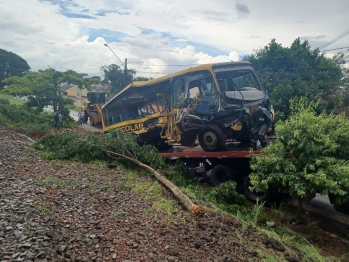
[65,87]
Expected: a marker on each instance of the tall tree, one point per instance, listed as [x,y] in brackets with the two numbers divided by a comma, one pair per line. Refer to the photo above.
[114,75]
[11,65]
[142,78]
[44,86]
[297,70]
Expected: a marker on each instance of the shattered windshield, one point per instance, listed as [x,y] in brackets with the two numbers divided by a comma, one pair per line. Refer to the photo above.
[237,80]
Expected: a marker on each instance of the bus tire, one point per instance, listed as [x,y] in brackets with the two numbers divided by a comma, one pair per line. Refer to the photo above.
[251,195]
[212,138]
[221,174]
[342,208]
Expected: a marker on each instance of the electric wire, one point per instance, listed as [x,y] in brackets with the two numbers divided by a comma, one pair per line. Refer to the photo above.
[340,36]
[339,48]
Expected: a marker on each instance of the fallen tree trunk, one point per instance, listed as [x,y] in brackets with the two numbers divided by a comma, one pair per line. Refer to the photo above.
[188,204]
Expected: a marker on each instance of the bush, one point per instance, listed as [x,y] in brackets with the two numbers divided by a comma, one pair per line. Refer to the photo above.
[25,118]
[310,155]
[89,147]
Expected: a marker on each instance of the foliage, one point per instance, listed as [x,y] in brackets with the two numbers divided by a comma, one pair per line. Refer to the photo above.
[310,155]
[142,78]
[11,99]
[22,117]
[43,87]
[89,147]
[11,65]
[297,70]
[224,197]
[115,75]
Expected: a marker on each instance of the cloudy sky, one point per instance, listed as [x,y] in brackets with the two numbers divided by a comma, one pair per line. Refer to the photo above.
[161,36]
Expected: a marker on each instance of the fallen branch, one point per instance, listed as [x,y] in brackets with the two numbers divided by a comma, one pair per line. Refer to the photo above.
[188,204]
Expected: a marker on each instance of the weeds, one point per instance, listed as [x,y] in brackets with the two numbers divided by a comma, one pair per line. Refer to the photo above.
[50,180]
[120,213]
[24,159]
[73,182]
[146,212]
[99,163]
[151,191]
[43,210]
[104,188]
[251,215]
[56,165]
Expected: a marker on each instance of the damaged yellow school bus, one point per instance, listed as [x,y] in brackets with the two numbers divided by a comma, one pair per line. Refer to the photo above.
[206,102]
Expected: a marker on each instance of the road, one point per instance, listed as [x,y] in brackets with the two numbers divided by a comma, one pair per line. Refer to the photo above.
[74,115]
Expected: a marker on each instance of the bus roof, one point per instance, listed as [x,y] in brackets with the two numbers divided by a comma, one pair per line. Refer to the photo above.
[137,84]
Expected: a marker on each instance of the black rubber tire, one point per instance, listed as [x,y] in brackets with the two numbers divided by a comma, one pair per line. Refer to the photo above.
[221,174]
[212,138]
[253,196]
[342,208]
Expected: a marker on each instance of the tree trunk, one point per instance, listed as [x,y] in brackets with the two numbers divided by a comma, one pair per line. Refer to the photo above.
[188,204]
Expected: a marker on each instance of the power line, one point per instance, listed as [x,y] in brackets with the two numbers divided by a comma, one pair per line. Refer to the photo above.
[163,65]
[335,49]
[340,36]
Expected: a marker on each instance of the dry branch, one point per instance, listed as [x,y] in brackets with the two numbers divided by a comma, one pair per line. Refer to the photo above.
[188,204]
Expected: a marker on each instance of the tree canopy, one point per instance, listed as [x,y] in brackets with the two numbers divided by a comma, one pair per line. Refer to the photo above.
[142,78]
[11,65]
[310,155]
[43,87]
[287,72]
[115,75]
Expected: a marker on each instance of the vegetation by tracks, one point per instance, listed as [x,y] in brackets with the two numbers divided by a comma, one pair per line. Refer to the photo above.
[224,199]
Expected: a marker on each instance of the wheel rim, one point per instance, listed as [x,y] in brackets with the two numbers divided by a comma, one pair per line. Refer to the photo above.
[210,139]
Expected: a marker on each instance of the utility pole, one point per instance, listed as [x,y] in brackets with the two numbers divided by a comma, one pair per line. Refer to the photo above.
[125,64]
[125,73]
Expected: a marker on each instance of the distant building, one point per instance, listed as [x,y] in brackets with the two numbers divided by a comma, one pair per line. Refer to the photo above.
[75,93]
[100,87]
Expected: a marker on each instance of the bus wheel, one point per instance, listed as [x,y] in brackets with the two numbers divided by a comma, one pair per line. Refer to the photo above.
[342,208]
[221,174]
[252,195]
[211,138]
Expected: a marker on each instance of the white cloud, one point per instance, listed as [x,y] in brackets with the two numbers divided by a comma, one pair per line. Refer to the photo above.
[183,32]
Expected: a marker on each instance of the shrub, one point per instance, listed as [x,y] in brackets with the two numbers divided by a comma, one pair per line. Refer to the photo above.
[25,118]
[89,147]
[310,155]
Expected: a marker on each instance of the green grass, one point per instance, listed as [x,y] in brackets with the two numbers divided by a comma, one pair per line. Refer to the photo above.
[13,100]
[49,180]
[43,210]
[151,191]
[120,213]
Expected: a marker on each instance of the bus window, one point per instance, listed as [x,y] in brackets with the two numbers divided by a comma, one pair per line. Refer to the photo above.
[178,88]
[203,88]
